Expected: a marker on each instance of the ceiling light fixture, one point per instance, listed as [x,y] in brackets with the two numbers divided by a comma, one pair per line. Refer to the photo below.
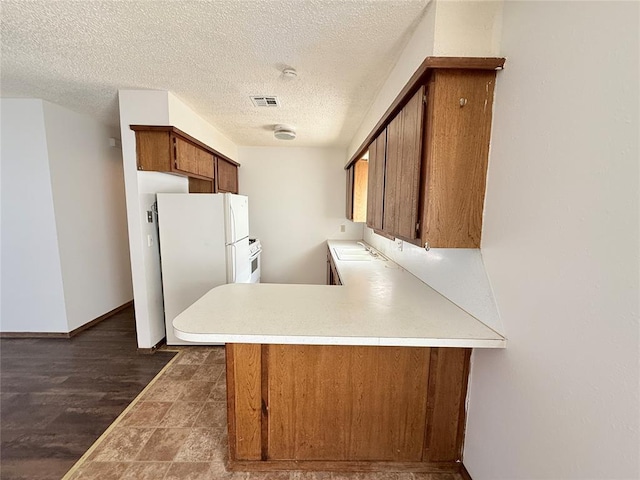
[290,72]
[284,132]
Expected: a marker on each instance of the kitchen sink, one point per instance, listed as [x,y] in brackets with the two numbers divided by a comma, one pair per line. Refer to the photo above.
[353,254]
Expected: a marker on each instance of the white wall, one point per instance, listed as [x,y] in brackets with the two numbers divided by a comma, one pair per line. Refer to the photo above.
[32,291]
[468,28]
[296,202]
[152,107]
[64,239]
[561,248]
[88,197]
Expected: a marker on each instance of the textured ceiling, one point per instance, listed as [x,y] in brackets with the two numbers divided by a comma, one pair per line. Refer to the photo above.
[213,55]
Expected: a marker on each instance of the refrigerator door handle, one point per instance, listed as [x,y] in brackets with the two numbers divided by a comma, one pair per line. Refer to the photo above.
[232,269]
[233,224]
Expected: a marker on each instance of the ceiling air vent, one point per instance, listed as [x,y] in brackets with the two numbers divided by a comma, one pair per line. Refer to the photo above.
[263,101]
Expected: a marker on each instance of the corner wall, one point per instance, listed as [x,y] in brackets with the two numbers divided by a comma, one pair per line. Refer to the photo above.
[560,245]
[88,198]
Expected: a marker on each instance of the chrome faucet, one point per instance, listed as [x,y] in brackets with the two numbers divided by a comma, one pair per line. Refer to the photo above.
[366,247]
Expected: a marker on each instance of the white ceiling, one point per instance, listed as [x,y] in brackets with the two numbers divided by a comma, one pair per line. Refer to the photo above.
[213,55]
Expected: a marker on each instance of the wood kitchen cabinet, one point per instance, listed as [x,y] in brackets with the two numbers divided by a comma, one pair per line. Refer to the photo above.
[456,155]
[402,171]
[357,178]
[429,155]
[168,149]
[333,278]
[325,407]
[375,188]
[227,176]
[163,149]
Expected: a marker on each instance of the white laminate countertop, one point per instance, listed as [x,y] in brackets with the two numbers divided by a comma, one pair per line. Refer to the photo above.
[379,303]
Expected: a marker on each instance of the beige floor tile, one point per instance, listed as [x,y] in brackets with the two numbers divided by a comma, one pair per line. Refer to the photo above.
[209,372]
[146,471]
[219,391]
[146,414]
[194,356]
[199,446]
[179,372]
[216,355]
[181,414]
[189,471]
[269,476]
[196,391]
[213,414]
[310,476]
[100,471]
[165,391]
[122,444]
[220,473]
[164,444]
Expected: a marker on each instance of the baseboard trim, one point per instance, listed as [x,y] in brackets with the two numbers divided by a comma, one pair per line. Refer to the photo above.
[34,335]
[95,321]
[70,334]
[152,350]
[464,473]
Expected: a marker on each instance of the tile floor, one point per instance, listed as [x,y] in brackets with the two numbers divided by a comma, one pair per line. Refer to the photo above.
[177,431]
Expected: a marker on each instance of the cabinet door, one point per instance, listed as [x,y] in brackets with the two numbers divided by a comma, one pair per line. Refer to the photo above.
[227,176]
[375,190]
[456,155]
[349,200]
[185,155]
[391,174]
[402,173]
[360,178]
[153,150]
[357,178]
[205,163]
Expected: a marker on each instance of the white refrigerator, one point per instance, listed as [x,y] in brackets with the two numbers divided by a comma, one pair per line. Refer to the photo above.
[204,242]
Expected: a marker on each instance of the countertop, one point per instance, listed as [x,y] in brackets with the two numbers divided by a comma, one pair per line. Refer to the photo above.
[379,303]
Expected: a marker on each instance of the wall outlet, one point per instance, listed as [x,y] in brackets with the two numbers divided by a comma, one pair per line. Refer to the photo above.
[343,228]
[149,240]
[399,244]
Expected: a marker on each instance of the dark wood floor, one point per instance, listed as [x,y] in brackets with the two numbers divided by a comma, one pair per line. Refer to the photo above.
[57,396]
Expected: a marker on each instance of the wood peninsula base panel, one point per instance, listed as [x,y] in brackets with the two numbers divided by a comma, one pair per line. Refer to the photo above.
[361,408]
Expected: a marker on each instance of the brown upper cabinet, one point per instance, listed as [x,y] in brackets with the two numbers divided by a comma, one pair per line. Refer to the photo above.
[168,149]
[357,178]
[428,155]
[227,177]
[402,171]
[375,190]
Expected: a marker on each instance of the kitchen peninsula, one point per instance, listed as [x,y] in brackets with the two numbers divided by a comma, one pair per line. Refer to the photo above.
[371,375]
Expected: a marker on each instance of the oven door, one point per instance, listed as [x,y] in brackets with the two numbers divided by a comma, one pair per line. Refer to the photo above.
[255,267]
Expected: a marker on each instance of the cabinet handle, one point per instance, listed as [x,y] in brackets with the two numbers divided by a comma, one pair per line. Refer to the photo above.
[463,102]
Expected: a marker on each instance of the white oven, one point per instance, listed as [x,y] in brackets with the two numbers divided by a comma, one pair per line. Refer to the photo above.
[255,249]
